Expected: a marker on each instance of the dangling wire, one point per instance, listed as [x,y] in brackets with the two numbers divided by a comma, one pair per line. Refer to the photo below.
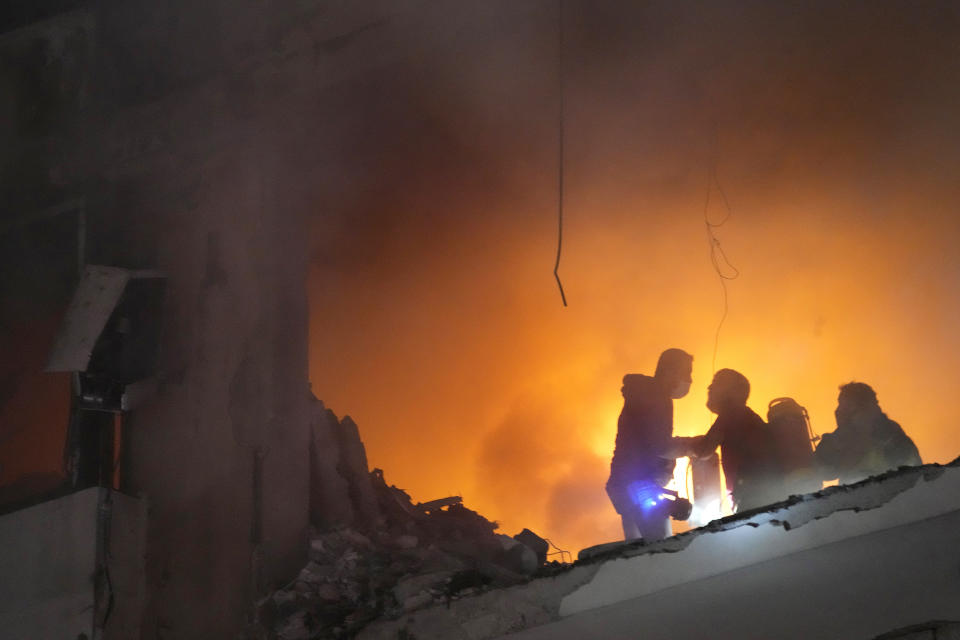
[565,556]
[718,258]
[560,141]
[724,269]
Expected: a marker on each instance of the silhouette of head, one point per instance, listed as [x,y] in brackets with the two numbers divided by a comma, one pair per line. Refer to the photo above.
[858,394]
[856,405]
[674,371]
[729,389]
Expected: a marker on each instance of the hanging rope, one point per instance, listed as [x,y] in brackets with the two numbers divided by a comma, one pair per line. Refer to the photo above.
[718,258]
[560,141]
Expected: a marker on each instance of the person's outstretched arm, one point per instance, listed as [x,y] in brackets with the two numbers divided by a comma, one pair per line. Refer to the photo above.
[708,443]
[826,457]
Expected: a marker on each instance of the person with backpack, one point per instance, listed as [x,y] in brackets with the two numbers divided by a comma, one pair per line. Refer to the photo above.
[866,442]
[791,441]
[645,453]
[743,440]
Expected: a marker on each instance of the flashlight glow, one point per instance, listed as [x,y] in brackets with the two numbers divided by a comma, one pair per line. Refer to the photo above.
[645,495]
[709,512]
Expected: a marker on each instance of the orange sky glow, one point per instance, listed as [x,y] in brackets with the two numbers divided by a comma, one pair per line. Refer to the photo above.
[435,320]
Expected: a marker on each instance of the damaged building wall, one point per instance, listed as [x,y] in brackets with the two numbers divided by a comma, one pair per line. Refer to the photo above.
[177,173]
[194,135]
[193,139]
[194,180]
[221,450]
[376,553]
[341,493]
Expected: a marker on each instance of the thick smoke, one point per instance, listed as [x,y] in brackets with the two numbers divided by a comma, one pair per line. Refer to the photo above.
[436,322]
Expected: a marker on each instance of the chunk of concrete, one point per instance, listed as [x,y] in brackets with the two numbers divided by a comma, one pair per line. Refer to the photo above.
[539,545]
[518,557]
[330,504]
[414,585]
[418,601]
[353,467]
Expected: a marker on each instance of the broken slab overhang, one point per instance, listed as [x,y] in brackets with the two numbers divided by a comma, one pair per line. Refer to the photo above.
[890,500]
[848,561]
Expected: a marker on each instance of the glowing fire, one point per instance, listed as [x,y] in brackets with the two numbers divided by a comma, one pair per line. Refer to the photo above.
[441,331]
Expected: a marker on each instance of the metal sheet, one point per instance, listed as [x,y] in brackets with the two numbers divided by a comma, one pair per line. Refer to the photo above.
[94,300]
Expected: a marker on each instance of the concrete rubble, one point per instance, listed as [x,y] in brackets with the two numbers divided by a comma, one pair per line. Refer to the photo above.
[547,607]
[382,567]
[375,554]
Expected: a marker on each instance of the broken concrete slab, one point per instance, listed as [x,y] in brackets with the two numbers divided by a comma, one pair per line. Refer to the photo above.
[440,503]
[353,467]
[413,558]
[634,569]
[438,570]
[433,559]
[539,545]
[418,601]
[330,504]
[750,560]
[855,588]
[488,614]
[413,585]
[341,489]
[519,557]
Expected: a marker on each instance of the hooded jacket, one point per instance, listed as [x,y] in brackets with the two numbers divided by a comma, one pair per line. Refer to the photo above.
[644,430]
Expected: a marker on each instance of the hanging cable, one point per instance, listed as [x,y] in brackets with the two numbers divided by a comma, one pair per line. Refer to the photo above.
[565,556]
[722,266]
[560,155]
[718,258]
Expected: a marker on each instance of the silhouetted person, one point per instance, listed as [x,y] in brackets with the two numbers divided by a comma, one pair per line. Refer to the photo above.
[646,451]
[742,437]
[866,441]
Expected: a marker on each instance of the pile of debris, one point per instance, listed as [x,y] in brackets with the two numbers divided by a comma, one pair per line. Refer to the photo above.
[375,553]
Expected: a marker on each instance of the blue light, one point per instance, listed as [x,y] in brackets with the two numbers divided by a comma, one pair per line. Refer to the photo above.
[645,495]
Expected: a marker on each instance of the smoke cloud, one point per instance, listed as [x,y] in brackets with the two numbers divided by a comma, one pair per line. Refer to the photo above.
[436,322]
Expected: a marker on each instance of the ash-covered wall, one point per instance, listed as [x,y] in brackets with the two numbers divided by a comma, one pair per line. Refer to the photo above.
[188,138]
[159,127]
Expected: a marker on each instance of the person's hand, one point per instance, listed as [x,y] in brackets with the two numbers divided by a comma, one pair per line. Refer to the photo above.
[686,446]
[697,451]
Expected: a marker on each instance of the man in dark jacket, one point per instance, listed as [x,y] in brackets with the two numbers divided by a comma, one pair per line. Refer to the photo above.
[646,451]
[866,441]
[742,437]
